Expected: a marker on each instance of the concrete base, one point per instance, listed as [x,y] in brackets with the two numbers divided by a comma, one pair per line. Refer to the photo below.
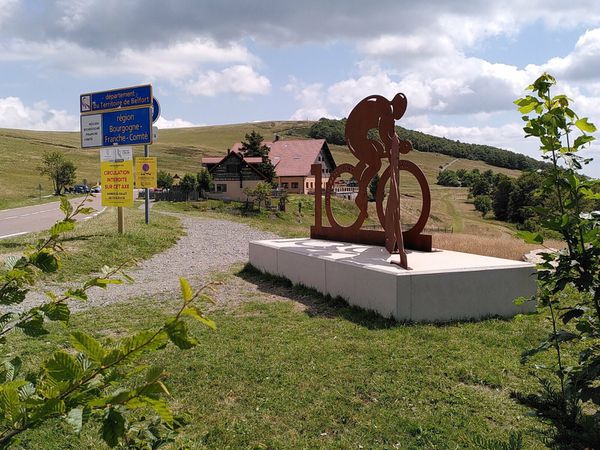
[441,285]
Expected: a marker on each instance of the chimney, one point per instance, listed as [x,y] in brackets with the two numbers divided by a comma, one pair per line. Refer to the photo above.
[228,151]
[276,138]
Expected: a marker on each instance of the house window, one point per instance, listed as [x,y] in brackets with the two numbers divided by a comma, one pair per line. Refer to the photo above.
[294,185]
[284,185]
[312,184]
[221,187]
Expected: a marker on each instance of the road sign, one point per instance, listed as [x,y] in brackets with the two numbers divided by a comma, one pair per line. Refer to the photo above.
[91,131]
[128,127]
[116,167]
[145,172]
[155,110]
[121,127]
[130,97]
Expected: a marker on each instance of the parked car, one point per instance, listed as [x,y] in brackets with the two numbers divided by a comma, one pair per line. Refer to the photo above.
[97,189]
[81,189]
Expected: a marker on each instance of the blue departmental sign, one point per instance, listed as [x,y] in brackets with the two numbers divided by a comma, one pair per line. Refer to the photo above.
[127,127]
[131,97]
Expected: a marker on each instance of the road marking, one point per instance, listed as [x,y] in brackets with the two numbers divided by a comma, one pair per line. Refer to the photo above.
[28,214]
[14,234]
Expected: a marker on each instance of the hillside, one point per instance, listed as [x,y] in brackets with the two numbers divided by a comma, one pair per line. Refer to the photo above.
[333,131]
[178,150]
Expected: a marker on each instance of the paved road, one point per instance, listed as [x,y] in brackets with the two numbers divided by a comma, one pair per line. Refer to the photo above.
[17,221]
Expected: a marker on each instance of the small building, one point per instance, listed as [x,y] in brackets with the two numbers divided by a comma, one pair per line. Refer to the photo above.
[232,174]
[292,161]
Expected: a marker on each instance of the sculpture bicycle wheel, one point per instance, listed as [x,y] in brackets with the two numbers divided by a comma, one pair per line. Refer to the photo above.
[411,167]
[349,169]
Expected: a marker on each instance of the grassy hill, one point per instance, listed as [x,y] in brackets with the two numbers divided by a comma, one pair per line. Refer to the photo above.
[178,151]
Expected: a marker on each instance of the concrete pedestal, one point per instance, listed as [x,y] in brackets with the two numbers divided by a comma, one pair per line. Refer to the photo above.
[441,286]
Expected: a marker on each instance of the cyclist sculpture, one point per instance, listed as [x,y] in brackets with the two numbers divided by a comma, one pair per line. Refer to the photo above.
[375,113]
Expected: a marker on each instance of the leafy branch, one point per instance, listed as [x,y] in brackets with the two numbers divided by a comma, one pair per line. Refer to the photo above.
[89,379]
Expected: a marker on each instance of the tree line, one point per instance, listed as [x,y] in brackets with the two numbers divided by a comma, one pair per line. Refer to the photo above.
[333,131]
[515,200]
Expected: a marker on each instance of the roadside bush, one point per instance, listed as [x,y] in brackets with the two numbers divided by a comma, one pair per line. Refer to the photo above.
[92,379]
[568,280]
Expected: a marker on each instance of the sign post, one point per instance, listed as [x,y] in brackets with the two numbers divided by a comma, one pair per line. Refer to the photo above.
[114,120]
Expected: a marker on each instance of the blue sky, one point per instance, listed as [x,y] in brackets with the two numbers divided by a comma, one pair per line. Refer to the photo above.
[461,64]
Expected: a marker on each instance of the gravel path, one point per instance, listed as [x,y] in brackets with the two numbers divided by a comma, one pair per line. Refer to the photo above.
[209,246]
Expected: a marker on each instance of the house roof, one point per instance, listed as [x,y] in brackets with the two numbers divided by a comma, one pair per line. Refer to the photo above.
[217,159]
[293,157]
[249,162]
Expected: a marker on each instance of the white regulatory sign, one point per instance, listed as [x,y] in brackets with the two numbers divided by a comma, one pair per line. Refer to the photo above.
[116,154]
[91,130]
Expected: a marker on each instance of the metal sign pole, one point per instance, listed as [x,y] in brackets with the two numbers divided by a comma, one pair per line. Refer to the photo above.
[147,196]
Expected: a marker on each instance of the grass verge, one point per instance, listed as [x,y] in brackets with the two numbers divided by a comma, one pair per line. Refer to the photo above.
[294,222]
[288,368]
[96,242]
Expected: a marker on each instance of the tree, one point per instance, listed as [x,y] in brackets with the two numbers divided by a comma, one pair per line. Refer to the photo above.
[501,197]
[481,186]
[58,169]
[483,204]
[373,185]
[261,193]
[253,146]
[204,181]
[448,178]
[568,280]
[91,378]
[164,180]
[189,183]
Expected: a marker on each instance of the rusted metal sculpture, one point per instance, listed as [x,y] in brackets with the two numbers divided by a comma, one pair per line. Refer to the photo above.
[375,112]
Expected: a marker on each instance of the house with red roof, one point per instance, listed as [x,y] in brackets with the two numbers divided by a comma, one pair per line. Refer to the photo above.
[292,160]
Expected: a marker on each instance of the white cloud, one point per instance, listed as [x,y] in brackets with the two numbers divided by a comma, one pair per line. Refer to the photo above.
[174,123]
[239,79]
[172,62]
[583,63]
[40,116]
[7,9]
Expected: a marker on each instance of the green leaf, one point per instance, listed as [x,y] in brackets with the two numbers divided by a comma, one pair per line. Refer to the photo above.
[101,282]
[582,140]
[63,367]
[10,403]
[194,312]
[62,227]
[65,206]
[87,345]
[161,408]
[186,290]
[530,237]
[33,326]
[154,373]
[57,311]
[77,294]
[113,427]
[178,334]
[7,318]
[12,295]
[11,369]
[75,419]
[527,104]
[45,260]
[86,211]
[585,126]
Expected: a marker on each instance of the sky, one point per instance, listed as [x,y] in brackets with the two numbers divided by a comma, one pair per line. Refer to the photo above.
[461,64]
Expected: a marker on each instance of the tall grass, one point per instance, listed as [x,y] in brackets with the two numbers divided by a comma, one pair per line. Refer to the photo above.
[500,246]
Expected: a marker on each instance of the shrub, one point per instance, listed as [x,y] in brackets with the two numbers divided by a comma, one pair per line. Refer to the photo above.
[92,378]
[574,337]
